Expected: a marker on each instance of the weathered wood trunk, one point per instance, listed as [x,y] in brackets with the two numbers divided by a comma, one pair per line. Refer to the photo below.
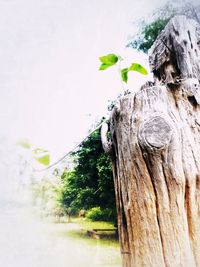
[155,149]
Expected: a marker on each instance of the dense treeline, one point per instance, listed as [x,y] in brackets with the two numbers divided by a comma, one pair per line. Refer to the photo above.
[89,186]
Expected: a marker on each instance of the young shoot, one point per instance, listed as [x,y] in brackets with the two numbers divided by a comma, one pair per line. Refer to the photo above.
[112,59]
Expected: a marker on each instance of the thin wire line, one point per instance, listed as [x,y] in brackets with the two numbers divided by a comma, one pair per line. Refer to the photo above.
[72,150]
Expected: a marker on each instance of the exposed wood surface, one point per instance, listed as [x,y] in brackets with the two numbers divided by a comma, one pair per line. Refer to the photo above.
[156,156]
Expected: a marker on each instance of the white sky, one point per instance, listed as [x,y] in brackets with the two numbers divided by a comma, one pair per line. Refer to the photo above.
[50,88]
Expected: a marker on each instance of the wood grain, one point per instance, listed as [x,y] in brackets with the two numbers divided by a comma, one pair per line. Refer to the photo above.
[155,137]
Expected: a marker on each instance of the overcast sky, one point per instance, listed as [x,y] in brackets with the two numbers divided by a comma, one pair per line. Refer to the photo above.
[51,89]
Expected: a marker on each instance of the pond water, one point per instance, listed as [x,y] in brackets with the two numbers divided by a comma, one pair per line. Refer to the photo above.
[26,241]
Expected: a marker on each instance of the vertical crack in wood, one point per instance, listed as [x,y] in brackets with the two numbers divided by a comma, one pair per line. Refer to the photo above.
[156,203]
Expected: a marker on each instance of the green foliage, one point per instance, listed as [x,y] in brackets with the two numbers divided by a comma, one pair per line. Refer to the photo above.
[90,184]
[124,75]
[39,154]
[67,192]
[134,67]
[99,214]
[108,61]
[45,160]
[148,34]
[139,68]
[42,156]
[149,30]
[112,59]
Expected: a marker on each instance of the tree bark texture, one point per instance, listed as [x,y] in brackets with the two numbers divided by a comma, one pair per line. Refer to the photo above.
[155,151]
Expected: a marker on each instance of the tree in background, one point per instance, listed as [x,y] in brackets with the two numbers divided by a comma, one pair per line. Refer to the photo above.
[148,31]
[90,184]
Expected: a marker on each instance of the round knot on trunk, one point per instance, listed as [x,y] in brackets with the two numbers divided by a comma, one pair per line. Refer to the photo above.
[155,133]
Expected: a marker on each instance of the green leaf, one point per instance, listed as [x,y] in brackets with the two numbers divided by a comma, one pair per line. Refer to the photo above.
[124,75]
[104,66]
[45,159]
[109,59]
[139,68]
[24,143]
[42,156]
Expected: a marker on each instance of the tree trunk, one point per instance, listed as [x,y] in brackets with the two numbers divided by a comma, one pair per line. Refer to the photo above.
[155,151]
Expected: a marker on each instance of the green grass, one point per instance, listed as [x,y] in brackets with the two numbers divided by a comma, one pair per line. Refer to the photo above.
[106,238]
[105,250]
[89,225]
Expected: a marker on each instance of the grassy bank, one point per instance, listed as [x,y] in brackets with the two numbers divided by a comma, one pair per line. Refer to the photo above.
[85,225]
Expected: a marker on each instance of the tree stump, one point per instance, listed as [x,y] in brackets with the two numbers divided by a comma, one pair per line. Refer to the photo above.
[155,151]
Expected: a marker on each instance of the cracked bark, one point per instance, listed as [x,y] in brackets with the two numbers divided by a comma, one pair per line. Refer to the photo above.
[155,145]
